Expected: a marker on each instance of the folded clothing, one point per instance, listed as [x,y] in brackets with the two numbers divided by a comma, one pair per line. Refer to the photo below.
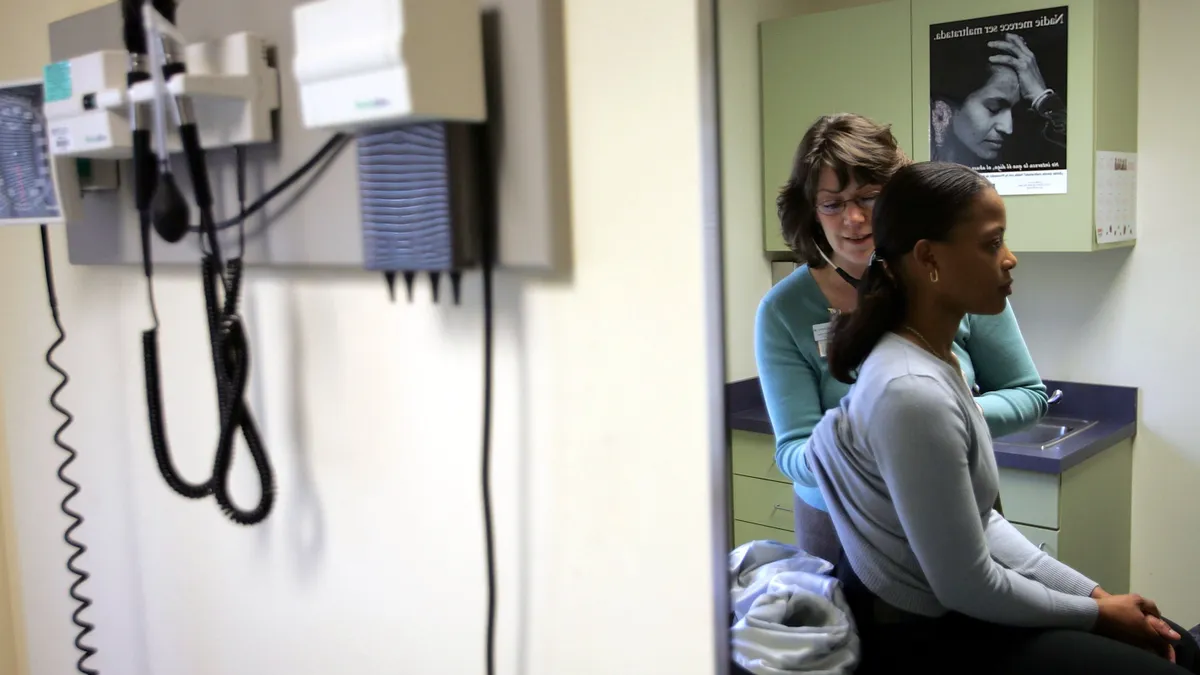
[789,613]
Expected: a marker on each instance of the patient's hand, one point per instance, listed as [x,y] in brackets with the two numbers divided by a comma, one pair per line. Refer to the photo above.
[1153,619]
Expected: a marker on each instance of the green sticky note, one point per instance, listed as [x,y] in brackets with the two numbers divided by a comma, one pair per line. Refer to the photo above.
[57,79]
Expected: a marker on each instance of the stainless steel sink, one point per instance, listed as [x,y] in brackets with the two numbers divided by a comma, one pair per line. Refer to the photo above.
[1048,432]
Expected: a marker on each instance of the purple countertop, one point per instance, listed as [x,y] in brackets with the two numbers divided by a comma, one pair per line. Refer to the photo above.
[1114,409]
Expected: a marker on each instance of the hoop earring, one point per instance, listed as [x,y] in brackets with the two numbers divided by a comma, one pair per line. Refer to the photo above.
[933,277]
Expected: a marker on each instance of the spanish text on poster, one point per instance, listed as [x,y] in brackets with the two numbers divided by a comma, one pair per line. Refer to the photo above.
[998,98]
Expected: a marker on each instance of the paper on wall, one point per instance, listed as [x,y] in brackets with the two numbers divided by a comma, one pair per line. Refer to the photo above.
[1116,196]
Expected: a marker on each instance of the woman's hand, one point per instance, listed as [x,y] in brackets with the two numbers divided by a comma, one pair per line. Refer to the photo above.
[1160,626]
[1153,616]
[1017,55]
[1134,620]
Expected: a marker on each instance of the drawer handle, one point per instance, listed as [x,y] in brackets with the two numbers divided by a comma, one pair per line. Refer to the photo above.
[1042,546]
[779,507]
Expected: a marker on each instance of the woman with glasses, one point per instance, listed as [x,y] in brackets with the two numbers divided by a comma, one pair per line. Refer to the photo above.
[825,209]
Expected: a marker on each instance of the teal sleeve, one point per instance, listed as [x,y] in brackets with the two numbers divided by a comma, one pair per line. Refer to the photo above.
[791,391]
[1014,396]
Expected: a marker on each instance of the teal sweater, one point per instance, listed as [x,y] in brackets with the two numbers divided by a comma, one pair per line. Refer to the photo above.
[798,388]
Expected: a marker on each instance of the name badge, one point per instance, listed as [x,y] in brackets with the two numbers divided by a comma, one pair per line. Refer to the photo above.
[821,337]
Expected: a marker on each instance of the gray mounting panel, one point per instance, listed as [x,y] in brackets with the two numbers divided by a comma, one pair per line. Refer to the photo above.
[526,82]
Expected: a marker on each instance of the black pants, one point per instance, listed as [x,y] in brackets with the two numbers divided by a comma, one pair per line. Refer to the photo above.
[893,642]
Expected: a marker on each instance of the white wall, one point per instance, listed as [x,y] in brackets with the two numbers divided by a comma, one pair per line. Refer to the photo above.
[1128,317]
[372,562]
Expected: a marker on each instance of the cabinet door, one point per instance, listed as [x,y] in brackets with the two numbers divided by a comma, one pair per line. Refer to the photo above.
[1046,540]
[851,60]
[1039,222]
[753,455]
[744,532]
[763,502]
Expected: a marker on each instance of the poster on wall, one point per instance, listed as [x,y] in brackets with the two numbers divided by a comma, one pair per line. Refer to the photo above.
[998,98]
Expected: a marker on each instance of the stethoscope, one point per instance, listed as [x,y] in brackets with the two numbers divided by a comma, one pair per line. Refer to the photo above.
[975,390]
[1055,396]
[841,272]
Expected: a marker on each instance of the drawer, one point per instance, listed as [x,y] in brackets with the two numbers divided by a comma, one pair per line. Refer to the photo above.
[744,532]
[763,502]
[1030,498]
[753,455]
[1047,540]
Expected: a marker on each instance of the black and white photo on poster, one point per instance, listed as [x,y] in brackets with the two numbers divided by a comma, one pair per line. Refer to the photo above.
[998,98]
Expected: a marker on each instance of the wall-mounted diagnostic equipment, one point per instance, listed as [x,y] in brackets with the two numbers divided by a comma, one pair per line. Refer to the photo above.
[38,188]
[366,63]
[228,121]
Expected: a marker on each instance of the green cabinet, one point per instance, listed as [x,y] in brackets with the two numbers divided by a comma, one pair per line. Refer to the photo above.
[1082,516]
[851,60]
[816,64]
[1102,56]
[762,496]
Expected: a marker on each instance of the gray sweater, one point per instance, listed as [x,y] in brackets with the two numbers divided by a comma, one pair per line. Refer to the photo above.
[905,464]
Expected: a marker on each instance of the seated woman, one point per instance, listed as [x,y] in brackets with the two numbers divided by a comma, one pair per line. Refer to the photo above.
[936,579]
[825,213]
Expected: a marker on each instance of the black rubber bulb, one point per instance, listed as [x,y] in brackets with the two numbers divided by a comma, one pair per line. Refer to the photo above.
[169,209]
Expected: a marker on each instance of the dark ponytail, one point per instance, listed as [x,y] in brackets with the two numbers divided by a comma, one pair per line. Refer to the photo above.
[922,201]
[882,303]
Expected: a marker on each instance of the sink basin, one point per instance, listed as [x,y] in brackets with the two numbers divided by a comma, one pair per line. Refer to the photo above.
[1048,432]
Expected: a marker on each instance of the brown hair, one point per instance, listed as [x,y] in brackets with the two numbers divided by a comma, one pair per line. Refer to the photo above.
[922,201]
[855,147]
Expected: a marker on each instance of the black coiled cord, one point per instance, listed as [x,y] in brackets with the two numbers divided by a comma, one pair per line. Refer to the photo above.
[81,576]
[231,365]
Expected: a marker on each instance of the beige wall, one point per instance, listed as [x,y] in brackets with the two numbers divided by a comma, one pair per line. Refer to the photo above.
[12,637]
[1130,318]
[746,270]
[373,561]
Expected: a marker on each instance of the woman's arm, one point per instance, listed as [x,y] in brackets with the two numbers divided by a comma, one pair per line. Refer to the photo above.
[920,438]
[1014,551]
[1014,396]
[792,394]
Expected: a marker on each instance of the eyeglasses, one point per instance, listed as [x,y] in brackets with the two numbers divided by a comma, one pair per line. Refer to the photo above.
[833,208]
